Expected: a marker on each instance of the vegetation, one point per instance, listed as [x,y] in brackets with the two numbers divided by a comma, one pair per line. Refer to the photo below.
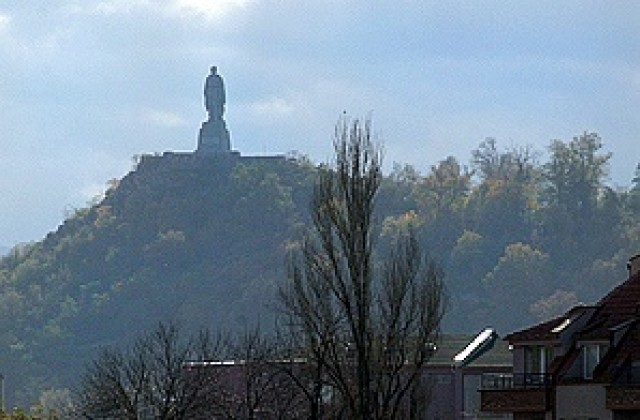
[149,380]
[205,244]
[358,320]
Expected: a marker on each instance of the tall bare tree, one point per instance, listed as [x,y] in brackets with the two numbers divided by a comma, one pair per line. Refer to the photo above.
[366,326]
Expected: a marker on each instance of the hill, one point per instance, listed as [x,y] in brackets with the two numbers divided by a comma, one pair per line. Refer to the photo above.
[203,240]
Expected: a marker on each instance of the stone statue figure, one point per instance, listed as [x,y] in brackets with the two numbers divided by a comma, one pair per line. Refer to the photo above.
[213,138]
[214,97]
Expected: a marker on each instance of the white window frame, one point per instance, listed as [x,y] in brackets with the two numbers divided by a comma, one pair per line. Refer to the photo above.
[600,350]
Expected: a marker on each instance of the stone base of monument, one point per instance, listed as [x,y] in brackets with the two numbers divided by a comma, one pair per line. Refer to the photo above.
[213,138]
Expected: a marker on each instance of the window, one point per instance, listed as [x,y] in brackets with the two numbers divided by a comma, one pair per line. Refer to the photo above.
[536,364]
[538,359]
[591,356]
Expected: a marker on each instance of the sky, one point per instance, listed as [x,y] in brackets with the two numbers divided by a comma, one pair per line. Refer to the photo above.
[88,84]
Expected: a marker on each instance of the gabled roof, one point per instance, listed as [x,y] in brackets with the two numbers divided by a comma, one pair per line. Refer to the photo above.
[619,357]
[615,319]
[549,330]
[619,306]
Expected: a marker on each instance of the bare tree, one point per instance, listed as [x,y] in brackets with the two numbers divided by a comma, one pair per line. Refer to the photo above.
[150,380]
[366,327]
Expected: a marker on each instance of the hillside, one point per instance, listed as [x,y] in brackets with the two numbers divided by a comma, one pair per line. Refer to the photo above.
[204,241]
[198,241]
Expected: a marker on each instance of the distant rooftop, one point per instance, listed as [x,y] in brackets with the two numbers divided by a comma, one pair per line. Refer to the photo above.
[483,349]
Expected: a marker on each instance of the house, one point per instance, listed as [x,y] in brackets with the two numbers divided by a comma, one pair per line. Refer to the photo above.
[582,365]
[453,376]
[455,372]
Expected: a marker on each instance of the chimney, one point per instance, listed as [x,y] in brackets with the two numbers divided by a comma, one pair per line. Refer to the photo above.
[634,265]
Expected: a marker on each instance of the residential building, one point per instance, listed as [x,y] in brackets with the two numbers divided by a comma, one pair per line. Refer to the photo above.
[455,372]
[582,365]
[452,376]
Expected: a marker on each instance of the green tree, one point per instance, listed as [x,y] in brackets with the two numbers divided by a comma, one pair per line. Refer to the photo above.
[441,198]
[575,174]
[519,279]
[501,207]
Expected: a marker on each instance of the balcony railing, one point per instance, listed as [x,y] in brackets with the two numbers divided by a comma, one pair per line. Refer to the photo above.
[515,381]
[515,393]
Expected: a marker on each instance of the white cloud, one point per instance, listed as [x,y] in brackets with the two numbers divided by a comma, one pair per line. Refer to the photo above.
[272,108]
[112,7]
[161,118]
[209,9]
[4,21]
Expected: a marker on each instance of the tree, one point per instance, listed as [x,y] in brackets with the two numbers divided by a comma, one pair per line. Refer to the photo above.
[366,326]
[503,203]
[515,163]
[259,383]
[575,177]
[150,379]
[553,305]
[575,173]
[521,275]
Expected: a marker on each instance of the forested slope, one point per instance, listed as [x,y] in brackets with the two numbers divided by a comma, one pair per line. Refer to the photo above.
[205,242]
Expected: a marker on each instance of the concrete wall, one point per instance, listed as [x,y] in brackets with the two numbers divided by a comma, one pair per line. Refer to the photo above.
[586,401]
[518,360]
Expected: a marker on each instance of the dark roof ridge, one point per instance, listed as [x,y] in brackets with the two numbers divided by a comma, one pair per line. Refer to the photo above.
[545,330]
[630,281]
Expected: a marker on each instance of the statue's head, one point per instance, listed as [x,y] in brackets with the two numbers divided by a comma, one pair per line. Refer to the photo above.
[214,69]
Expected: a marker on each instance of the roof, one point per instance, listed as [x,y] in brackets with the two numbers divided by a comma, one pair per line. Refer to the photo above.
[494,352]
[615,319]
[548,330]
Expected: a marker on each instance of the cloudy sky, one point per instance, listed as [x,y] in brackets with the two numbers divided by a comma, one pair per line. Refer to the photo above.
[87,84]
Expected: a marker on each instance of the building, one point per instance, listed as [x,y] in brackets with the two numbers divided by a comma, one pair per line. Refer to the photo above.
[265,390]
[455,372]
[582,365]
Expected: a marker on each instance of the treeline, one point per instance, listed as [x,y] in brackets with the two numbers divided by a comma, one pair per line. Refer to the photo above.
[523,240]
[520,239]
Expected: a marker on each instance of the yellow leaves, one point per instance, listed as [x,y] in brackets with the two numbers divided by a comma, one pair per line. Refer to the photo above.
[104,217]
[395,227]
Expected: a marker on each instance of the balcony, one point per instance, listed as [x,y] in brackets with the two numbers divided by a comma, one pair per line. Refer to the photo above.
[624,393]
[517,393]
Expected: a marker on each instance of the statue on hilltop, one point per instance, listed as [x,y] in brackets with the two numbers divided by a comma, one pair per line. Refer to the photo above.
[214,96]
[214,136]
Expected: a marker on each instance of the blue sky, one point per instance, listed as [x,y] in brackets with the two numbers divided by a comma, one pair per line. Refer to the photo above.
[88,84]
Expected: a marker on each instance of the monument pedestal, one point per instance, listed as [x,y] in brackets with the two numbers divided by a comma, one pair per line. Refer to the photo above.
[213,138]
